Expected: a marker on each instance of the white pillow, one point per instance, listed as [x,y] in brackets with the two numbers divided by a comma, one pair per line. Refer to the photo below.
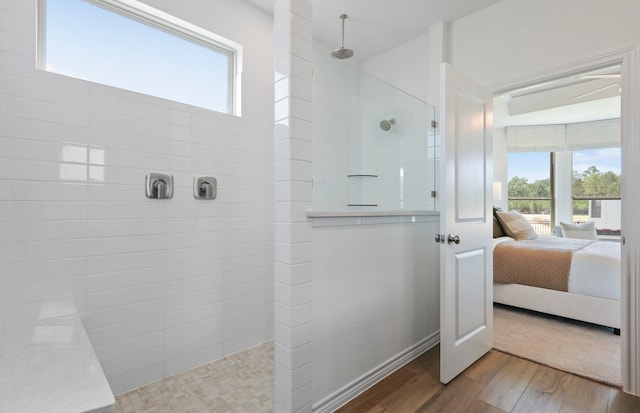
[581,231]
[515,225]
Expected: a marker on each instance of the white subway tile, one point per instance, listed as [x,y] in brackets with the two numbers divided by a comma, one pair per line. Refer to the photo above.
[122,314]
[19,231]
[210,340]
[256,261]
[293,274]
[106,210]
[123,245]
[18,44]
[122,331]
[238,304]
[294,337]
[193,284]
[193,359]
[133,362]
[42,270]
[248,275]
[103,264]
[183,301]
[124,296]
[47,290]
[180,332]
[123,383]
[20,190]
[232,346]
[211,311]
[293,295]
[124,279]
[301,47]
[15,252]
[123,348]
[21,107]
[293,316]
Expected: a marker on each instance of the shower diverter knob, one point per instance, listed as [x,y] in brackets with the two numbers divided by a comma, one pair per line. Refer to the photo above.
[205,187]
[159,186]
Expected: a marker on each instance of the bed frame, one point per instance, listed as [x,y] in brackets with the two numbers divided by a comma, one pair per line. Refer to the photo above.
[594,310]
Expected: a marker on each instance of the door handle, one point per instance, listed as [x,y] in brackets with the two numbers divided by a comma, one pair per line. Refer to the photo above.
[451,239]
[440,238]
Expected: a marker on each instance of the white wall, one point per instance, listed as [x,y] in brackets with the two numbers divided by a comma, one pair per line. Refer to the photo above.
[519,38]
[375,280]
[161,286]
[404,66]
[376,294]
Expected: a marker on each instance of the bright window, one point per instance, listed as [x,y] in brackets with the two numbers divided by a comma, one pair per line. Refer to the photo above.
[129,45]
[596,188]
[530,180]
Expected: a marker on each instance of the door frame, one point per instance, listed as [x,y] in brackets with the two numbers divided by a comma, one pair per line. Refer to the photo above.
[629,60]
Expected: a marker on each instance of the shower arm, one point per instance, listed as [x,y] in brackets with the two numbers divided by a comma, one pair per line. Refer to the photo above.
[342,17]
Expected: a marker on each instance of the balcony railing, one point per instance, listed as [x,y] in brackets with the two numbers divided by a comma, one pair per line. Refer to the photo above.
[543,227]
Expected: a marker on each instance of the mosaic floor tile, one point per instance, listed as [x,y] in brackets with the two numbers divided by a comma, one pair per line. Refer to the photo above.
[239,383]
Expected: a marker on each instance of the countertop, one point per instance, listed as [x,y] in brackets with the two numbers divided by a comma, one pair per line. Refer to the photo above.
[51,367]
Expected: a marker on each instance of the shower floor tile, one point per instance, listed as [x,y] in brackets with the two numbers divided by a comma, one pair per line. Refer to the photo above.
[239,383]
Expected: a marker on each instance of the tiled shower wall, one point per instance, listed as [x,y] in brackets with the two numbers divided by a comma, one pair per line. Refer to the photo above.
[161,285]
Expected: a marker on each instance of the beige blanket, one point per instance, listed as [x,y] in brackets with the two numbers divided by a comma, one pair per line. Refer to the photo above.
[544,262]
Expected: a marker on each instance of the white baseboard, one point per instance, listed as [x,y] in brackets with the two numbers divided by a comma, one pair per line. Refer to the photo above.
[352,390]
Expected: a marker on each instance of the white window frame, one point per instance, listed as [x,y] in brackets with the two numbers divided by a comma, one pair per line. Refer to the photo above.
[158,19]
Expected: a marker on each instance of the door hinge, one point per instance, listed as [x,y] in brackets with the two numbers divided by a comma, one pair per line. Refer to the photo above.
[434,123]
[433,194]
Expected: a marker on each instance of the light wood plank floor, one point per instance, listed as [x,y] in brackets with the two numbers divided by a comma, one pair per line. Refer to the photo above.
[496,383]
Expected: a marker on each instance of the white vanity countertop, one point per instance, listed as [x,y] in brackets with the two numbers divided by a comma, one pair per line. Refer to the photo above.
[51,368]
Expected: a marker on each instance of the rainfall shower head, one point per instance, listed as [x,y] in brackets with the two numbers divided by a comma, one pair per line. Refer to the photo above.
[342,53]
[385,125]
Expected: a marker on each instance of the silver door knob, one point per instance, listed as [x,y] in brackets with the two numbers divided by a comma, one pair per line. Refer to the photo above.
[451,239]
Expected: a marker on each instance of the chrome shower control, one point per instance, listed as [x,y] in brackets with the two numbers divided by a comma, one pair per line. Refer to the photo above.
[205,187]
[159,186]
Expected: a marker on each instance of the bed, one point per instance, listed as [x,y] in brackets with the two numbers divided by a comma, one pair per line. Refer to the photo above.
[573,278]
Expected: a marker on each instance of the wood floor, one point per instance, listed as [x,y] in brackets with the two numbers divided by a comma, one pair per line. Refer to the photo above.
[496,383]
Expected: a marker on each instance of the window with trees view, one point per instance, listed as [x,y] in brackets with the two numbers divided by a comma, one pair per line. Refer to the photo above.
[596,188]
[595,183]
[530,188]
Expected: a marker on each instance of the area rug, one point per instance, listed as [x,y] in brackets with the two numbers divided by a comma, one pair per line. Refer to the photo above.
[579,348]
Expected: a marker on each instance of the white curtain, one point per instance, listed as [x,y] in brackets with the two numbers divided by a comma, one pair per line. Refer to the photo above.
[564,137]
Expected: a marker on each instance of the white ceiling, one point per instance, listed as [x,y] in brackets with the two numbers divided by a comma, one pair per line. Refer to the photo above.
[376,26]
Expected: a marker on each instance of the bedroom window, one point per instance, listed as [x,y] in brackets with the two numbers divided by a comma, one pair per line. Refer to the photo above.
[130,45]
[596,189]
[530,188]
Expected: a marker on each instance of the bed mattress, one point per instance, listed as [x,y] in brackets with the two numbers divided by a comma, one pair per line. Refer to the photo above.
[594,270]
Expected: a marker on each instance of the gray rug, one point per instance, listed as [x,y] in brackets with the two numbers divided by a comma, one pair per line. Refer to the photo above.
[579,348]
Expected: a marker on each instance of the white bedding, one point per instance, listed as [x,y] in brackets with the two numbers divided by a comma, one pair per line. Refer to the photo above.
[595,269]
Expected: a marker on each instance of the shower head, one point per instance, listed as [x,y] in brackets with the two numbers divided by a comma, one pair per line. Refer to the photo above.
[342,53]
[385,125]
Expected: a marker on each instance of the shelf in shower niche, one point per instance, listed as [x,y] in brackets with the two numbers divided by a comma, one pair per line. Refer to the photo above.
[365,205]
[362,176]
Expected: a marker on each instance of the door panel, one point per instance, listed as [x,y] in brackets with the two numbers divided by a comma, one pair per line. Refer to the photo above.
[471,316]
[466,266]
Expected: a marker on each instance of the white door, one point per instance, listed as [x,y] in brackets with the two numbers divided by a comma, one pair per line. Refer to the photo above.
[466,255]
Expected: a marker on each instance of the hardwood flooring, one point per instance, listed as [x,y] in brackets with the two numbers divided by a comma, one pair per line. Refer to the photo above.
[496,383]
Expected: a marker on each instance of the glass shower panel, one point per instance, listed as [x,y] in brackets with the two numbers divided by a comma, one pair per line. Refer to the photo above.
[374,145]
